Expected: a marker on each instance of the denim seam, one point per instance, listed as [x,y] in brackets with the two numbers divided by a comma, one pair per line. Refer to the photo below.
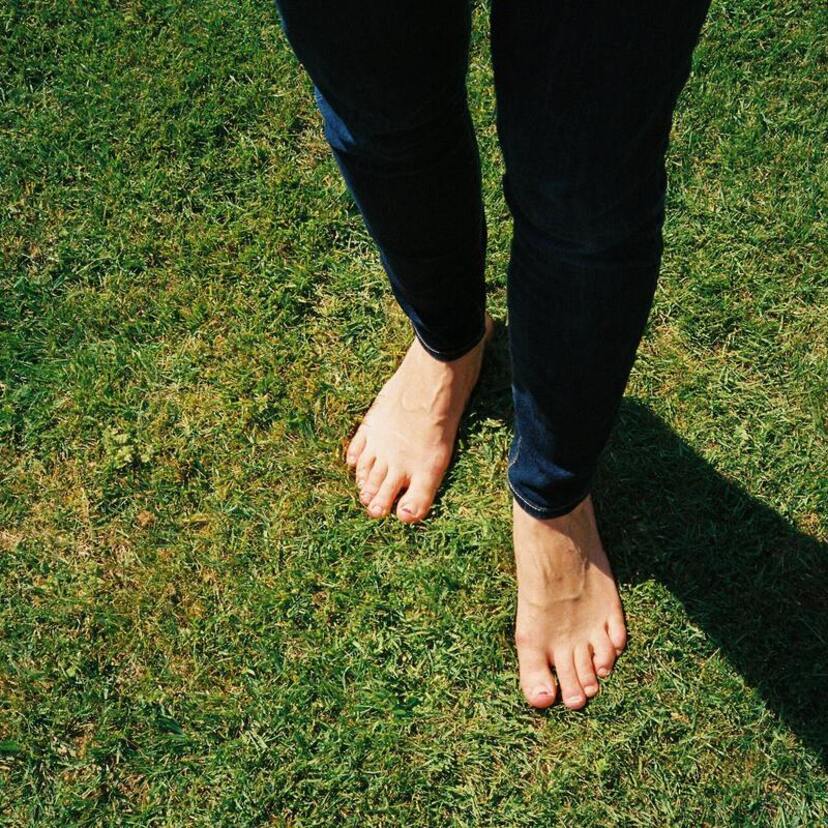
[544,512]
[517,452]
[456,353]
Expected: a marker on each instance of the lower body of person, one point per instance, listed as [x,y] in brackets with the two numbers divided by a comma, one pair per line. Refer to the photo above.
[585,96]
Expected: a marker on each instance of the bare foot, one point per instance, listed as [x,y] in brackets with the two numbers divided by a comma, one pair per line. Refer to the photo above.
[569,613]
[407,437]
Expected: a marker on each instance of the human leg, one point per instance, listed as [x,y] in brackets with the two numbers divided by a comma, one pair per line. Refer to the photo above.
[390,84]
[586,93]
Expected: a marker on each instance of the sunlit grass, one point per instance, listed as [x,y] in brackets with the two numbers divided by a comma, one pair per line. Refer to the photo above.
[197,623]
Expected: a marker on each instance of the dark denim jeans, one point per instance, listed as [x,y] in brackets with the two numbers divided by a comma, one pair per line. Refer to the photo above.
[585,97]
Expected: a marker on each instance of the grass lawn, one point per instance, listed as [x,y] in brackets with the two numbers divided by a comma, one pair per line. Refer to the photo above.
[199,626]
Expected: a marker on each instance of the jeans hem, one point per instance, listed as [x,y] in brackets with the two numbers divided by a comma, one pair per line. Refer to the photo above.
[455,353]
[545,512]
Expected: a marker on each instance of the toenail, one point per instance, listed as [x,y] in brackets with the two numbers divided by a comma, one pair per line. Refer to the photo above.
[543,691]
[574,700]
[603,672]
[376,510]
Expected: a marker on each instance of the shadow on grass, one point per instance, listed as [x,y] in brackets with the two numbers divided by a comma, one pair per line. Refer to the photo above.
[750,580]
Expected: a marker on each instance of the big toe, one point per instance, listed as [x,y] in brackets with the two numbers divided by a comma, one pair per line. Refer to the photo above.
[415,504]
[536,679]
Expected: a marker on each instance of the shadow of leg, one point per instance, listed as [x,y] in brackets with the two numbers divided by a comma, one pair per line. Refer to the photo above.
[757,586]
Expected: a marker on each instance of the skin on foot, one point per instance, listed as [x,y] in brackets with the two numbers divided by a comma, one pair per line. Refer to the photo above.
[404,445]
[569,616]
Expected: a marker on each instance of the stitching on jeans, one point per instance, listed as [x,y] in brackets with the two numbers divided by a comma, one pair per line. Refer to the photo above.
[526,502]
[540,509]
[517,452]
[543,511]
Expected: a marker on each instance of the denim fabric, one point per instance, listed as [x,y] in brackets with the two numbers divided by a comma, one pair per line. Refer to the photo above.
[585,96]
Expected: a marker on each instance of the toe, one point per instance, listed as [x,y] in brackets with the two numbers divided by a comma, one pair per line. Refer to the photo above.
[572,693]
[603,655]
[617,631]
[416,502]
[536,679]
[384,499]
[373,482]
[363,467]
[586,671]
[355,448]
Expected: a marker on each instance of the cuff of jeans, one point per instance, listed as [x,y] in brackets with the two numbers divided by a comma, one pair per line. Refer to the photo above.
[454,353]
[543,512]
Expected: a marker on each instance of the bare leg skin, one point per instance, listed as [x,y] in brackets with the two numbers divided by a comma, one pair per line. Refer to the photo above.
[405,442]
[569,616]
